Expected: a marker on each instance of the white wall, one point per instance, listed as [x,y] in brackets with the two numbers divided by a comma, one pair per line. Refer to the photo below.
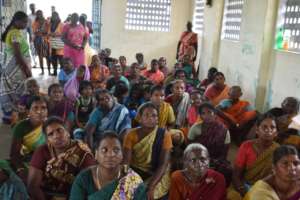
[152,44]
[266,75]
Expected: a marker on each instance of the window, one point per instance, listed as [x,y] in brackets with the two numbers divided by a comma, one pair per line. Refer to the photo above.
[198,16]
[232,19]
[288,26]
[148,15]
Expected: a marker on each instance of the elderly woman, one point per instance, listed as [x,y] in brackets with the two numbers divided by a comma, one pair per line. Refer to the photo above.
[254,158]
[109,115]
[109,179]
[197,181]
[28,135]
[55,165]
[284,183]
[218,90]
[147,150]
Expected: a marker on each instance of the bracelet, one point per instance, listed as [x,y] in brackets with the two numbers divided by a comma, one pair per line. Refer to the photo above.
[20,169]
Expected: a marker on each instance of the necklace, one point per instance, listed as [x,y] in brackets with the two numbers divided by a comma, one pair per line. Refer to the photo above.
[98,178]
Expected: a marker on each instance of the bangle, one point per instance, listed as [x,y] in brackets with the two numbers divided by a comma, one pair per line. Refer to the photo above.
[20,169]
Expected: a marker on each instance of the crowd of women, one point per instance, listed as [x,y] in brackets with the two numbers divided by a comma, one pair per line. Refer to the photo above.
[112,131]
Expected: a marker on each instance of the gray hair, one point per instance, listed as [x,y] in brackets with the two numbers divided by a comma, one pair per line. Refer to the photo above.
[192,147]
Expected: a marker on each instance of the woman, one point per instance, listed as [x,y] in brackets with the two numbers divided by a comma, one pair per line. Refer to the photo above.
[147,150]
[40,29]
[109,179]
[11,186]
[196,181]
[218,90]
[154,74]
[88,51]
[75,38]
[179,100]
[215,137]
[210,78]
[56,44]
[188,43]
[192,113]
[28,135]
[60,106]
[284,183]
[16,68]
[71,88]
[254,158]
[99,73]
[54,166]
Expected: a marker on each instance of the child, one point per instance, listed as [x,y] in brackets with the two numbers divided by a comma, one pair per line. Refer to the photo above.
[85,103]
[192,113]
[135,99]
[72,86]
[66,72]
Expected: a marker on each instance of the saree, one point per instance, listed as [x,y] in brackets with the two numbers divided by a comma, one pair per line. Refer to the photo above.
[239,112]
[61,169]
[63,109]
[156,77]
[127,188]
[165,115]
[145,160]
[76,36]
[187,42]
[71,87]
[215,96]
[12,78]
[211,187]
[180,108]
[12,187]
[32,141]
[261,191]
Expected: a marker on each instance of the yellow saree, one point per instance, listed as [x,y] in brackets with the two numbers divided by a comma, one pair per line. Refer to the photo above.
[32,140]
[141,160]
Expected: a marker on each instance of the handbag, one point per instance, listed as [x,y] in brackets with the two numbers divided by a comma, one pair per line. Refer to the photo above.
[56,43]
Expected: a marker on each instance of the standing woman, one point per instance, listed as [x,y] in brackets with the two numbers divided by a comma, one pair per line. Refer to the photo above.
[17,67]
[40,29]
[75,38]
[56,44]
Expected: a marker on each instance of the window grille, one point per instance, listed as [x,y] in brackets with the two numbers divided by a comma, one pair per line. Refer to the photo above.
[232,19]
[198,19]
[148,15]
[288,28]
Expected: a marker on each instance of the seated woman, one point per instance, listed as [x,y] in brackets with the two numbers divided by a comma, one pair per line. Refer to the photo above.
[147,149]
[179,100]
[28,135]
[238,114]
[215,137]
[178,75]
[154,74]
[71,88]
[109,179]
[117,76]
[218,90]
[60,106]
[284,183]
[108,115]
[99,73]
[254,158]
[210,79]
[284,115]
[192,113]
[134,75]
[55,165]
[197,181]
[11,186]
[120,92]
